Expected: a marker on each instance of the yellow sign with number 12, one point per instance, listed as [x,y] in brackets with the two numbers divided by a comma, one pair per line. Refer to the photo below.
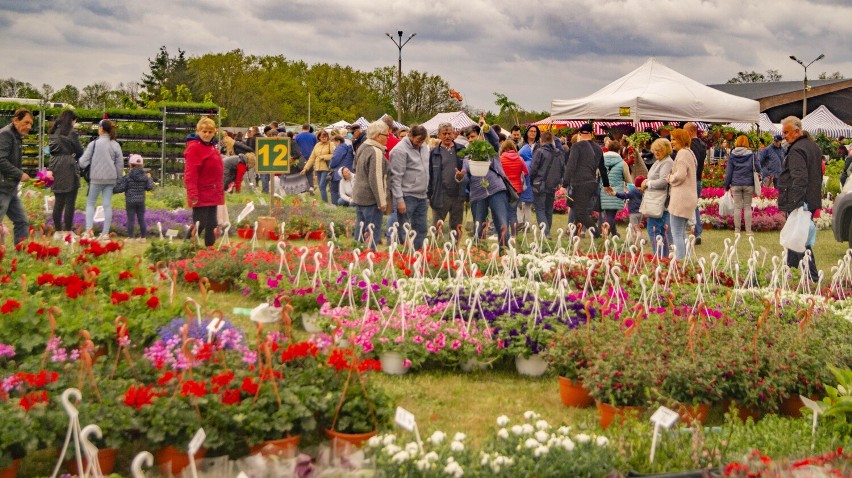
[273,155]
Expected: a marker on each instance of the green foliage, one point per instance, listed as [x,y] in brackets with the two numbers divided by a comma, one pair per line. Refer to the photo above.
[838,399]
[479,150]
[827,145]
[163,250]
[639,139]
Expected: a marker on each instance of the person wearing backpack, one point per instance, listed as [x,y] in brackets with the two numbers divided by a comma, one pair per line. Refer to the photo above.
[133,185]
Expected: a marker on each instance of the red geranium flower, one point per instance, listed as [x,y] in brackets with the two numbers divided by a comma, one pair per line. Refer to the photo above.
[119,297]
[139,291]
[137,397]
[153,302]
[249,386]
[191,276]
[10,306]
[231,397]
[191,387]
[221,380]
[31,399]
[125,275]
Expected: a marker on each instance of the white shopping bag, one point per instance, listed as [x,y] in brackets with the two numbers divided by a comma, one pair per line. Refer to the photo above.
[49,201]
[99,214]
[222,215]
[794,235]
[726,204]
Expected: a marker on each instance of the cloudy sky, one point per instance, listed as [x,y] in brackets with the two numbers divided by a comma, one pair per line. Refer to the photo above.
[532,51]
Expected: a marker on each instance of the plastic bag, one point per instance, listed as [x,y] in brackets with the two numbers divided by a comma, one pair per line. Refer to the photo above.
[726,204]
[796,230]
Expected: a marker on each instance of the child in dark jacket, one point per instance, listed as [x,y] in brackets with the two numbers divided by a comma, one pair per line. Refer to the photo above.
[634,200]
[134,184]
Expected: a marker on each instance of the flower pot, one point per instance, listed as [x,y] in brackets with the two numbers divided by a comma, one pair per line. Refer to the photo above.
[472,364]
[792,405]
[221,286]
[11,470]
[294,236]
[478,168]
[316,235]
[172,460]
[310,323]
[245,233]
[106,462]
[285,446]
[534,366]
[689,413]
[393,363]
[343,441]
[574,394]
[745,413]
[608,413]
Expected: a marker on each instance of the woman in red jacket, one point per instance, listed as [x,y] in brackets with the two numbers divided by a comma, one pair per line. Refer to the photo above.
[515,169]
[204,178]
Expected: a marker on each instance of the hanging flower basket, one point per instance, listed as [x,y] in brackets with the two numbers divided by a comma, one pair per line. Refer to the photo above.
[285,447]
[172,461]
[478,168]
[534,366]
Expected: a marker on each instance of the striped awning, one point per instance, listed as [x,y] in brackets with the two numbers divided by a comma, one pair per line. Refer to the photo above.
[395,123]
[458,119]
[821,120]
[763,122]
[362,122]
[600,126]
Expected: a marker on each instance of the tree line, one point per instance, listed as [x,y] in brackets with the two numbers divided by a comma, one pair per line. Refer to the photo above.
[254,89]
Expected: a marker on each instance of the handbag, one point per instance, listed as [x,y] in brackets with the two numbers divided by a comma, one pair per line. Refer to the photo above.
[654,203]
[86,172]
[756,178]
[294,183]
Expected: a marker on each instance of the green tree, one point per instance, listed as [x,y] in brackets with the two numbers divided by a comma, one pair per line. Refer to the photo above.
[68,94]
[507,107]
[166,71]
[97,97]
[834,76]
[755,77]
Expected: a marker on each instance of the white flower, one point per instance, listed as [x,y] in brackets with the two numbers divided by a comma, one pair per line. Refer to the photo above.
[400,457]
[542,450]
[392,449]
[568,444]
[388,439]
[422,465]
[542,425]
[602,441]
[503,433]
[530,415]
[527,429]
[438,437]
[541,436]
[502,421]
[517,429]
[412,448]
[531,443]
[454,469]
[431,456]
[582,438]
[459,436]
[374,441]
[457,446]
[554,441]
[563,430]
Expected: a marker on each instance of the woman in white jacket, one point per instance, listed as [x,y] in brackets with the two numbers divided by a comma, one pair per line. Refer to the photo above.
[346,185]
[656,182]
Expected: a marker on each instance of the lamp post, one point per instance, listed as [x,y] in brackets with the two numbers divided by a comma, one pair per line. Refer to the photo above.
[805,83]
[399,44]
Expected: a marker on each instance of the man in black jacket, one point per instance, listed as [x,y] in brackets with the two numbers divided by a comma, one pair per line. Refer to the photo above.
[800,184]
[446,195]
[585,159]
[10,171]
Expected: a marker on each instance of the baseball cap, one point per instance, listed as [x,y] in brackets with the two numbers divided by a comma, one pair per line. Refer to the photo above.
[586,128]
[777,137]
[135,159]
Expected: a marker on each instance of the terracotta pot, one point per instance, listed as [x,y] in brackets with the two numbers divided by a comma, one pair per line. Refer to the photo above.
[792,405]
[745,412]
[608,413]
[11,470]
[316,235]
[285,446]
[172,460]
[534,366]
[106,461]
[689,413]
[343,441]
[294,236]
[574,394]
[220,286]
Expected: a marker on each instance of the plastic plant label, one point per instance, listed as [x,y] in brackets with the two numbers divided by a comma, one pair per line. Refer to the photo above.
[242,475]
[99,214]
[812,405]
[262,202]
[197,441]
[241,311]
[215,325]
[665,417]
[172,233]
[405,419]
[245,212]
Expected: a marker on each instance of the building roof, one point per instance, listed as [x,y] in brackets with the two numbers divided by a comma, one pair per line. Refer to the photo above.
[758,91]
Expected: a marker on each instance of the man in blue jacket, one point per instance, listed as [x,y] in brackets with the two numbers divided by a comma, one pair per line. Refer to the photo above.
[771,158]
[11,174]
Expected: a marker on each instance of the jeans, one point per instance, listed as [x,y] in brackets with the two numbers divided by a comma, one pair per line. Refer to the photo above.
[95,190]
[10,205]
[678,227]
[366,215]
[264,181]
[323,180]
[415,216]
[454,206]
[742,203]
[499,205]
[136,212]
[698,227]
[334,191]
[205,216]
[608,217]
[63,210]
[524,213]
[512,219]
[543,203]
[657,227]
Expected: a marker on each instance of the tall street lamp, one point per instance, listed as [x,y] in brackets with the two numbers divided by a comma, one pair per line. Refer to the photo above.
[805,84]
[399,44]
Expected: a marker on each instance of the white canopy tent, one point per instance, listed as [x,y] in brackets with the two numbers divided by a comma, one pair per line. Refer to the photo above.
[821,120]
[764,122]
[338,125]
[458,119]
[656,92]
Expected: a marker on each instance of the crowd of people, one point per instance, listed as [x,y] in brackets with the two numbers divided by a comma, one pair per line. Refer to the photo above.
[404,173]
